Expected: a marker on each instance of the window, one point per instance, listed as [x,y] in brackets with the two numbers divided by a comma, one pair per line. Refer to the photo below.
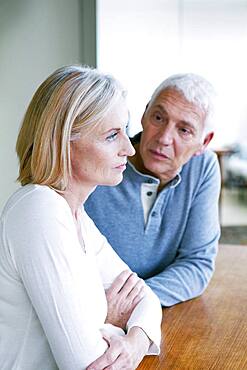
[142,42]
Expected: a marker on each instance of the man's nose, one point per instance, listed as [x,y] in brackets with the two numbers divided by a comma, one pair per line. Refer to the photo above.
[166,135]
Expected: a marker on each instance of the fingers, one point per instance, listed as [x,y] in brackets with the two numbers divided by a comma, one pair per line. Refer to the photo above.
[108,358]
[137,292]
[128,285]
[133,288]
[118,283]
[124,352]
[124,294]
[102,362]
[119,364]
[106,336]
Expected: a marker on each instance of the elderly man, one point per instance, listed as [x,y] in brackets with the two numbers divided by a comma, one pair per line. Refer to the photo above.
[163,218]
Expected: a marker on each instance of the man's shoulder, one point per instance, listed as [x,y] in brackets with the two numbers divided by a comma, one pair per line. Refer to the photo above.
[203,161]
[201,168]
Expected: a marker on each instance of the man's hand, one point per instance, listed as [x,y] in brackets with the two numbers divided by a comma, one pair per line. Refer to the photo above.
[124,352]
[123,295]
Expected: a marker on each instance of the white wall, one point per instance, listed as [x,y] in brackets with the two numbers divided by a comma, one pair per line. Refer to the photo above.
[36,37]
[144,41]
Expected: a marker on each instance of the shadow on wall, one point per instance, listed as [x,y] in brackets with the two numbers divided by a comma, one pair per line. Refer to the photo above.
[10,12]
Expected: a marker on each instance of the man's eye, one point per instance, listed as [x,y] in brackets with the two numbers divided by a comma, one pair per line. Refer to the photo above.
[112,137]
[185,131]
[157,117]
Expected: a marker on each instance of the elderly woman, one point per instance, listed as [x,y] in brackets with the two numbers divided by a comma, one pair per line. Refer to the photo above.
[55,266]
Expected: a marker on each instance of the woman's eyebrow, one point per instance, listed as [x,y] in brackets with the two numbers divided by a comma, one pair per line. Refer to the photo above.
[110,129]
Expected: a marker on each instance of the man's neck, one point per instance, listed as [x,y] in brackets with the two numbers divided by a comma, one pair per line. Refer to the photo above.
[137,162]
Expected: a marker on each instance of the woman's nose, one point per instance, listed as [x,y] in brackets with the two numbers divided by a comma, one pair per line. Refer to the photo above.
[127,148]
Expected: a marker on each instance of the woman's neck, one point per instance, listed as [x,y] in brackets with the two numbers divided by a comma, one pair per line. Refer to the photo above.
[76,195]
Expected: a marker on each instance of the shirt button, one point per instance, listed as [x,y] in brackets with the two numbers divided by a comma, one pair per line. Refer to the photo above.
[149,193]
[150,181]
[154,214]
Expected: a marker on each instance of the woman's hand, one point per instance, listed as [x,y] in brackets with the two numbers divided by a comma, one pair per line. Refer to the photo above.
[123,295]
[124,352]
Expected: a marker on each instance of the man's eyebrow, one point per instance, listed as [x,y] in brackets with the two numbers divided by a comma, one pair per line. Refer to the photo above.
[188,124]
[184,122]
[159,106]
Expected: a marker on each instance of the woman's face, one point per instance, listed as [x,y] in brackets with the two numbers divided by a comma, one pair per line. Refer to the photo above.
[99,156]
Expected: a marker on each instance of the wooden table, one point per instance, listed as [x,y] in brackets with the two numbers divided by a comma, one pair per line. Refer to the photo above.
[209,332]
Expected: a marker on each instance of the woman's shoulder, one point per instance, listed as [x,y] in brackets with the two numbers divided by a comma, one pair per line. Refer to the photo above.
[34,199]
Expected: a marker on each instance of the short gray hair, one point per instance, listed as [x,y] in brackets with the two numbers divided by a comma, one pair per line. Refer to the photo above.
[196,89]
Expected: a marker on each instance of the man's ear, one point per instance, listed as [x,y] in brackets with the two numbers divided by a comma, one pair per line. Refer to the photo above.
[142,119]
[205,143]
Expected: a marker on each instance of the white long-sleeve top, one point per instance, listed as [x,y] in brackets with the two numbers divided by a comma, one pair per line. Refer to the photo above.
[52,293]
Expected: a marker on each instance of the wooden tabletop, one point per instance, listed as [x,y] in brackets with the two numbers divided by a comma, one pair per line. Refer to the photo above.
[209,332]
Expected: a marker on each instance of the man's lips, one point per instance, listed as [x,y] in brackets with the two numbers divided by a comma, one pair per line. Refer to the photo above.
[158,155]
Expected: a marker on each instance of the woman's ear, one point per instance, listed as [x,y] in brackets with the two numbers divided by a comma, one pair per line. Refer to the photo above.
[205,143]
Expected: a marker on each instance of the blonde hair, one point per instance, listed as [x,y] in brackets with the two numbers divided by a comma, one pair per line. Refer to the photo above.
[71,98]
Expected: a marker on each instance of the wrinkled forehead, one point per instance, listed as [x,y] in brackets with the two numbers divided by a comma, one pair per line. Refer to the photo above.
[173,102]
[172,95]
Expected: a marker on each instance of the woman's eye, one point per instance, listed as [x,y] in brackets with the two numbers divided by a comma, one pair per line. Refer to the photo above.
[112,137]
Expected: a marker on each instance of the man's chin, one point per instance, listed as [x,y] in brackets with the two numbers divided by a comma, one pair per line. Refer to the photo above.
[163,173]
[154,170]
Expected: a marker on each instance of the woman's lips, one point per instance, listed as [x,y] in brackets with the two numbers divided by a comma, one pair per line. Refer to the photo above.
[121,167]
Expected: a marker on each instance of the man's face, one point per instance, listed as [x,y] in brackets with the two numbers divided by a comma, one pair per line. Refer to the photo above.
[172,134]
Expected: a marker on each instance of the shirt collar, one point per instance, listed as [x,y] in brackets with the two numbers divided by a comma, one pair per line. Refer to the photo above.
[154,180]
[151,179]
